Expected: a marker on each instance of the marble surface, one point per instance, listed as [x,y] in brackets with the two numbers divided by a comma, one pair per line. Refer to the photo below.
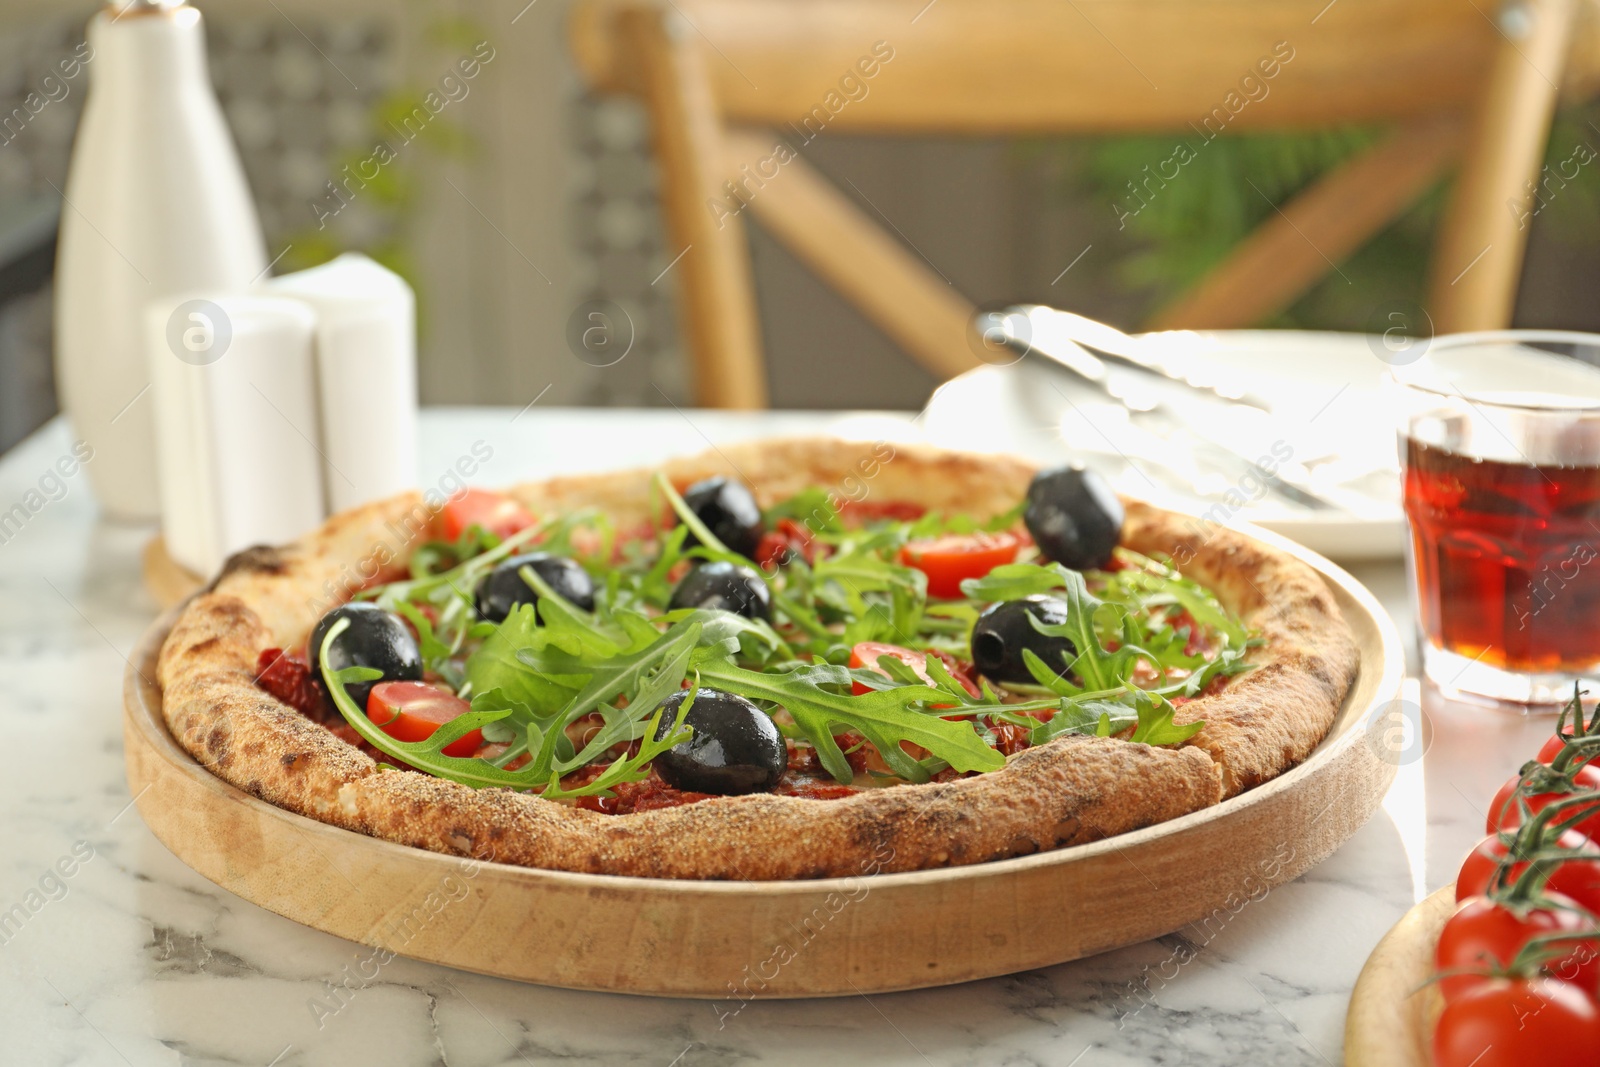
[113,952]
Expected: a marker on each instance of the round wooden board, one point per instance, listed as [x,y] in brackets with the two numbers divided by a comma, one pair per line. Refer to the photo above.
[167,581]
[1392,1009]
[734,941]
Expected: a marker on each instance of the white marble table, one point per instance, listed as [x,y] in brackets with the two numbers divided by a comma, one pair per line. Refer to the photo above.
[134,959]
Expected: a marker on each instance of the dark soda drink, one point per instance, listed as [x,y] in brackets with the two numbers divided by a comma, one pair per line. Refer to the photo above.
[1507,558]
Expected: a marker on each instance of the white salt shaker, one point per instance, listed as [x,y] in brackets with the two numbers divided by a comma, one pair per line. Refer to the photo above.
[234,389]
[156,203]
[366,358]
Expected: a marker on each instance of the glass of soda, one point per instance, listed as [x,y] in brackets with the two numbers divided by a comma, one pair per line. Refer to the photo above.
[1500,447]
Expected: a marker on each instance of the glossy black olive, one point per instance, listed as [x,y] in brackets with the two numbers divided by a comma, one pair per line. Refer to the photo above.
[503,588]
[735,749]
[1003,631]
[729,512]
[1074,517]
[724,587]
[374,638]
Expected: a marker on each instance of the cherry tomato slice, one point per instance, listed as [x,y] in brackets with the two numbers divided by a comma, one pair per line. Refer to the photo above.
[1484,935]
[495,512]
[1506,814]
[1578,878]
[412,711]
[1514,1022]
[867,654]
[948,560]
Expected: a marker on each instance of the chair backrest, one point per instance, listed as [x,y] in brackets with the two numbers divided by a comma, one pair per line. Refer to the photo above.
[1455,84]
[1085,65]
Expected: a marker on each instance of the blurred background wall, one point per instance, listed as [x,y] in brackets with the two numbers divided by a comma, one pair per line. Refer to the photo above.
[527,197]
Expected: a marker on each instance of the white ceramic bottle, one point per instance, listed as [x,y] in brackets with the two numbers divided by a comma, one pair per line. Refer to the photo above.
[156,204]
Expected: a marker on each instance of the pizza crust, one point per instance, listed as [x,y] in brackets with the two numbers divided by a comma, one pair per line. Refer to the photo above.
[1070,791]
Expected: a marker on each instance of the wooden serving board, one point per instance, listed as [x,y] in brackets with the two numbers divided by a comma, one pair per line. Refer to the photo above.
[735,941]
[1392,1008]
[166,580]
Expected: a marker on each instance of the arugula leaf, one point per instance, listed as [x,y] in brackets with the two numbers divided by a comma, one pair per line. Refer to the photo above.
[1095,718]
[666,666]
[427,755]
[567,626]
[654,587]
[711,546]
[629,768]
[460,580]
[943,681]
[1013,581]
[1155,722]
[435,653]
[1159,583]
[620,675]
[1098,668]
[811,508]
[545,685]
[752,639]
[1051,680]
[884,718]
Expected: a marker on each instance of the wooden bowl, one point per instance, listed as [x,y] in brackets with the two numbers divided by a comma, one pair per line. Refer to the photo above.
[1392,1008]
[735,941]
[166,580]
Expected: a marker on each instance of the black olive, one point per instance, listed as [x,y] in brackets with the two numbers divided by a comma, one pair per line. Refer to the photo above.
[1003,631]
[724,587]
[735,749]
[729,512]
[503,588]
[374,638]
[1074,517]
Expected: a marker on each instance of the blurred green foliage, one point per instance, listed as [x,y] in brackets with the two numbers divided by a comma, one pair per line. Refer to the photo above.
[390,199]
[1233,184]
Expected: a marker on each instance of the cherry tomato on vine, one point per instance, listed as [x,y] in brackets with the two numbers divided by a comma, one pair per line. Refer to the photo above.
[412,711]
[1578,878]
[1485,934]
[1506,814]
[1552,748]
[948,560]
[1515,1022]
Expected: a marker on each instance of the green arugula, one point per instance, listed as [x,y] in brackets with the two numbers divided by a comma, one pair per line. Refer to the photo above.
[818,698]
[548,666]
[647,676]
[632,768]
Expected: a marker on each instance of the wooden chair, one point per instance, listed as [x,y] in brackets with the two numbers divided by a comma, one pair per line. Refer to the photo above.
[730,85]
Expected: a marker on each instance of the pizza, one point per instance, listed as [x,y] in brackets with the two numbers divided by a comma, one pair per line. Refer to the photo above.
[787,659]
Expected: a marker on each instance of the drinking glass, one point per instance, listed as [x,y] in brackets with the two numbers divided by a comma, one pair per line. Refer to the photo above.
[1500,447]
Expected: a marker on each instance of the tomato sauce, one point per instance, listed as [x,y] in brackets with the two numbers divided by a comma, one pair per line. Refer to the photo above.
[650,794]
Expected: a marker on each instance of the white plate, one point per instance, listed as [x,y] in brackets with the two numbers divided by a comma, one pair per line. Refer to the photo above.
[1332,419]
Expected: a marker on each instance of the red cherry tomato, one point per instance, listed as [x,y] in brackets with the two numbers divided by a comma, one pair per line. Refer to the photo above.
[1506,814]
[1514,1022]
[1484,935]
[1553,747]
[867,654]
[495,512]
[1577,878]
[412,711]
[948,560]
